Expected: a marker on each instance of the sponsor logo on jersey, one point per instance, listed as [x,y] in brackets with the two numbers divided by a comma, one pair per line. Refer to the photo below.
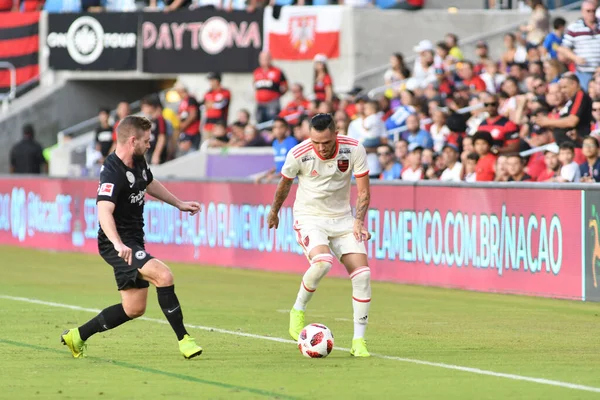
[307,158]
[343,164]
[314,173]
[137,198]
[130,178]
[144,175]
[106,189]
[345,151]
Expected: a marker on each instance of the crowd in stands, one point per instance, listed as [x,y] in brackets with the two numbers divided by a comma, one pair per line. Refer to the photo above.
[533,114]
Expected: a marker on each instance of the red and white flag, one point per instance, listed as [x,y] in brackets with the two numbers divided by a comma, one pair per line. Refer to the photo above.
[300,33]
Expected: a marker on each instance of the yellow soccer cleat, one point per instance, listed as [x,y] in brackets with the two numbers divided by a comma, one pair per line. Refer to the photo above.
[359,348]
[296,323]
[189,348]
[72,340]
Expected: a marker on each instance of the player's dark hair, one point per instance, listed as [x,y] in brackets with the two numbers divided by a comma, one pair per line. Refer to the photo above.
[567,146]
[283,121]
[104,110]
[132,125]
[559,23]
[322,122]
[593,140]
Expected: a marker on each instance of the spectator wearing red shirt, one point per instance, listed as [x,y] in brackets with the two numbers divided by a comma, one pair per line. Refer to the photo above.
[516,171]
[474,82]
[216,102]
[485,166]
[552,166]
[189,115]
[537,164]
[269,84]
[298,106]
[322,83]
[505,134]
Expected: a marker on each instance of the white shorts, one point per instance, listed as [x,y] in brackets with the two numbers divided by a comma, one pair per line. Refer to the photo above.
[335,233]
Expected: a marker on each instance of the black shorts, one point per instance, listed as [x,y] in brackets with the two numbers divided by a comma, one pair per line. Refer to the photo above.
[127,276]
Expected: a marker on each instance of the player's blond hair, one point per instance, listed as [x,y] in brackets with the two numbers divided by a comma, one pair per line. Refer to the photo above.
[132,125]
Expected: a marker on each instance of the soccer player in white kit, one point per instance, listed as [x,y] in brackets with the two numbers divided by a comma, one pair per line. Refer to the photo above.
[324,165]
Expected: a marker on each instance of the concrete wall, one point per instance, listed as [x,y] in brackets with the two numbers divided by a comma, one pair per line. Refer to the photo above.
[461,4]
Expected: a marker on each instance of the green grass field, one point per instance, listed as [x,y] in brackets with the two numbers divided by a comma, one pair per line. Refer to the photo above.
[524,337]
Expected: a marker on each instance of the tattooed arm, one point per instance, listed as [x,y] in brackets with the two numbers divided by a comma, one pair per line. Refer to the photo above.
[283,189]
[362,206]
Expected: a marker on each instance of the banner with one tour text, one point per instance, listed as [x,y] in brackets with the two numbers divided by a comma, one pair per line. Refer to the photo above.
[522,241]
[202,40]
[93,42]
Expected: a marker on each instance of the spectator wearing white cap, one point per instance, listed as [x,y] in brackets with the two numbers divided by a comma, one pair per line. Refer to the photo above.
[424,68]
[322,83]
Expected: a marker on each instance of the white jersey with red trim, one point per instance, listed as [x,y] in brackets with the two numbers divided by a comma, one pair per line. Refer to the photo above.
[324,184]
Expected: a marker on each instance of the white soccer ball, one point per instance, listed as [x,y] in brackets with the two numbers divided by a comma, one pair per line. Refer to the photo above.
[315,341]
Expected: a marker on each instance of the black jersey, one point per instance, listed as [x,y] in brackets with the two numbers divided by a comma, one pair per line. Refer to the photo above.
[126,188]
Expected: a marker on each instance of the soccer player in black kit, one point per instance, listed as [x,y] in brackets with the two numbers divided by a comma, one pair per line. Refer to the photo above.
[124,181]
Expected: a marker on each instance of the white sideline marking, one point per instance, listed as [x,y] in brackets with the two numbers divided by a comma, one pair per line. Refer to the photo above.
[383,356]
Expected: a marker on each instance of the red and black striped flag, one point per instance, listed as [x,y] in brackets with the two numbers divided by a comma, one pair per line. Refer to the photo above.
[19,45]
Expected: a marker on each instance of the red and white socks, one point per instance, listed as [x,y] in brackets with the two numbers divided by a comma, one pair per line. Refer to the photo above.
[319,267]
[361,299]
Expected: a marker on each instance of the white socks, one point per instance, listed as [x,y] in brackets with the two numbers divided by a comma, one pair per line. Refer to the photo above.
[319,267]
[361,299]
